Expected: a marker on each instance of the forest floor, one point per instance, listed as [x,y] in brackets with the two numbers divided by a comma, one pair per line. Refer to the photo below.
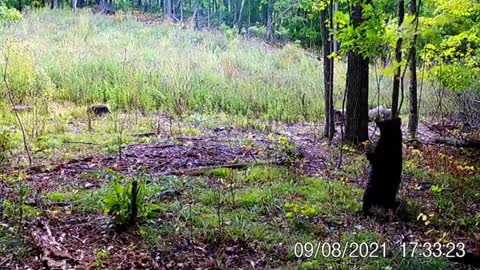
[236,196]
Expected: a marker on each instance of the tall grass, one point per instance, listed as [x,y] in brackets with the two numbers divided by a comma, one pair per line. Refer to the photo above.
[131,65]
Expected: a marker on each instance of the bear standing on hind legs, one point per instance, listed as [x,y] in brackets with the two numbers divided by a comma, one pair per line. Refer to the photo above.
[386,167]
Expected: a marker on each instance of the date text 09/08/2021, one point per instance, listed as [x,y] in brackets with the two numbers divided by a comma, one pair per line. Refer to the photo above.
[376,250]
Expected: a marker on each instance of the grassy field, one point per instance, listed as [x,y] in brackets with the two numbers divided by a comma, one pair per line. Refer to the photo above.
[160,67]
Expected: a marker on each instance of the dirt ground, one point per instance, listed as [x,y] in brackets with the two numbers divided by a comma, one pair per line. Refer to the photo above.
[68,240]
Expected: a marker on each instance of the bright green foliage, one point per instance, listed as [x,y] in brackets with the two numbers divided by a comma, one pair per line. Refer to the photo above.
[265,174]
[299,211]
[370,37]
[8,14]
[222,172]
[453,44]
[118,201]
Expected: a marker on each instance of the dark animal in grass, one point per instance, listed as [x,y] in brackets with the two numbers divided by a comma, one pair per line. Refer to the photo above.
[98,110]
[386,167]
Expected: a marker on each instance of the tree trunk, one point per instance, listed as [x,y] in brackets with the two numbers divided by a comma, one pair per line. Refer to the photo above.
[195,19]
[168,8]
[173,12]
[240,13]
[356,128]
[398,59]
[325,16]
[181,10]
[270,20]
[413,115]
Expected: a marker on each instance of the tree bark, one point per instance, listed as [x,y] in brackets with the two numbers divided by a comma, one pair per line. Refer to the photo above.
[270,20]
[398,59]
[413,115]
[325,17]
[356,128]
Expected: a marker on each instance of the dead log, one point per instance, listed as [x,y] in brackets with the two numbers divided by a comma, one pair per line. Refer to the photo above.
[22,108]
[459,143]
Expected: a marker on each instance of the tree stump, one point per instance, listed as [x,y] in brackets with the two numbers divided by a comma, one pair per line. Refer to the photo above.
[386,167]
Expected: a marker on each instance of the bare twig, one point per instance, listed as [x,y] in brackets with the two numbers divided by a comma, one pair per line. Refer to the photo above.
[11,99]
[87,143]
[202,170]
[340,159]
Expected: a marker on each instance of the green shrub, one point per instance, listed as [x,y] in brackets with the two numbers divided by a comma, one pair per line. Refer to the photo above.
[9,14]
[119,204]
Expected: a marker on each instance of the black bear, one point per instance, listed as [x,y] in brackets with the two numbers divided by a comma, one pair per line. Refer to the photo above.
[98,109]
[386,167]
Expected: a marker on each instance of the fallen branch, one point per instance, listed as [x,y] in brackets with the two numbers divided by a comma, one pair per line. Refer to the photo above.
[87,143]
[439,129]
[53,253]
[48,205]
[146,134]
[205,169]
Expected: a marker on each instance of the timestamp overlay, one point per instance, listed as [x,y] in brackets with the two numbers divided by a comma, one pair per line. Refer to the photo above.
[313,250]
[437,249]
